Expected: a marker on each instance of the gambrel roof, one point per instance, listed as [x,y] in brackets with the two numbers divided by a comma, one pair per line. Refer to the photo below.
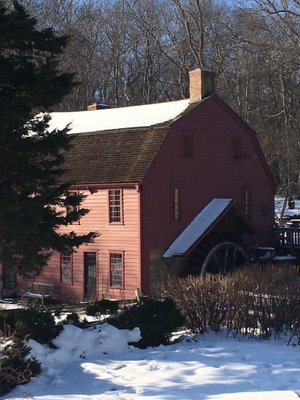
[122,156]
[116,145]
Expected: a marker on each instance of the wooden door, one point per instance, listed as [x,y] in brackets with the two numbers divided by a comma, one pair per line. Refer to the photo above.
[90,275]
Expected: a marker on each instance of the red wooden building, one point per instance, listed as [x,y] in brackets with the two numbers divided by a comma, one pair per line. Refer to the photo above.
[160,179]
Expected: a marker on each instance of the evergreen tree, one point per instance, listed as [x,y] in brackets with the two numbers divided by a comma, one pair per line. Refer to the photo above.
[33,196]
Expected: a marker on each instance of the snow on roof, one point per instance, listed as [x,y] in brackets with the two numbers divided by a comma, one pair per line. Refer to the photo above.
[119,118]
[197,227]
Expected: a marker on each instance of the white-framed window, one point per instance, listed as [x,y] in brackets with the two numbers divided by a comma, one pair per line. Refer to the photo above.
[116,267]
[66,267]
[115,206]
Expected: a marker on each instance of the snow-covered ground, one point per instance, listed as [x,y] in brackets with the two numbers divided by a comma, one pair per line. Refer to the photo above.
[97,363]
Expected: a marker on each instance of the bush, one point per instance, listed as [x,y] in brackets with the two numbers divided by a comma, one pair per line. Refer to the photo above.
[35,324]
[157,319]
[254,299]
[102,307]
[202,300]
[72,319]
[15,366]
[270,294]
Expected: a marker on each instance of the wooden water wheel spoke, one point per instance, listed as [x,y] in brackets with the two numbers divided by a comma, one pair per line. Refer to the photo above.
[217,260]
[223,257]
[234,257]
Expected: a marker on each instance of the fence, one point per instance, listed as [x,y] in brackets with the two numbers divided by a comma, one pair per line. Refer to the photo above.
[287,239]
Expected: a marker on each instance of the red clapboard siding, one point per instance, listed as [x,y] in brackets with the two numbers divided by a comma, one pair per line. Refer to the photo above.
[123,238]
[210,173]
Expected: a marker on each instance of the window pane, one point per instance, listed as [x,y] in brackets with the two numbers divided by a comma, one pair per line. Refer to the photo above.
[116,269]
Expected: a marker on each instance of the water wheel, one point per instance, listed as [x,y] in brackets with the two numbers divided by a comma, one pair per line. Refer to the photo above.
[224,257]
[219,253]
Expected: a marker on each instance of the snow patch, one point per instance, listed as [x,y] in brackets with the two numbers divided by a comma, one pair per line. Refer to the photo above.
[197,227]
[98,364]
[118,118]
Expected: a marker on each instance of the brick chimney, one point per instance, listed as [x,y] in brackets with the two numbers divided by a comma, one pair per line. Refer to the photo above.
[202,84]
[98,106]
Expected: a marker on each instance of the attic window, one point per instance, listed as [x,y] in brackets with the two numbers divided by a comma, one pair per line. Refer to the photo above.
[115,206]
[187,145]
[236,148]
[175,203]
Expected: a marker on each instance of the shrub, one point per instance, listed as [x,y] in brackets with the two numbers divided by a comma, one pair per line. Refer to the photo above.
[35,324]
[73,319]
[102,307]
[157,319]
[202,300]
[16,367]
[271,295]
[254,299]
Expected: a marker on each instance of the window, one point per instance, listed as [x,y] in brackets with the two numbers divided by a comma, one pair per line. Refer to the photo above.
[115,206]
[187,145]
[66,267]
[236,148]
[175,203]
[246,201]
[71,208]
[116,269]
[267,210]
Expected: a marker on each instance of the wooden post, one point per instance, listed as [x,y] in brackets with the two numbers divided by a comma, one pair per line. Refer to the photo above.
[137,292]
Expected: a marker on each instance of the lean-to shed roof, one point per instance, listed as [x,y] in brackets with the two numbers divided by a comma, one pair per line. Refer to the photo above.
[204,220]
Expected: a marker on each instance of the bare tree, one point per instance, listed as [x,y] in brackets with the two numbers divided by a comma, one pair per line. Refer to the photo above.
[139,51]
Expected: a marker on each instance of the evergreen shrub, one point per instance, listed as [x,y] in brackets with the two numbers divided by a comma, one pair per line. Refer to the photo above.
[157,319]
[16,367]
[102,307]
[73,319]
[34,324]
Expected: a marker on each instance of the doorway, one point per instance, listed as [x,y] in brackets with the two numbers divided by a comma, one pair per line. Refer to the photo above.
[90,275]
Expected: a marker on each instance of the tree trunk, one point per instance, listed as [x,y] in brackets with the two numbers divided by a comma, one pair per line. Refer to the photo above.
[283,209]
